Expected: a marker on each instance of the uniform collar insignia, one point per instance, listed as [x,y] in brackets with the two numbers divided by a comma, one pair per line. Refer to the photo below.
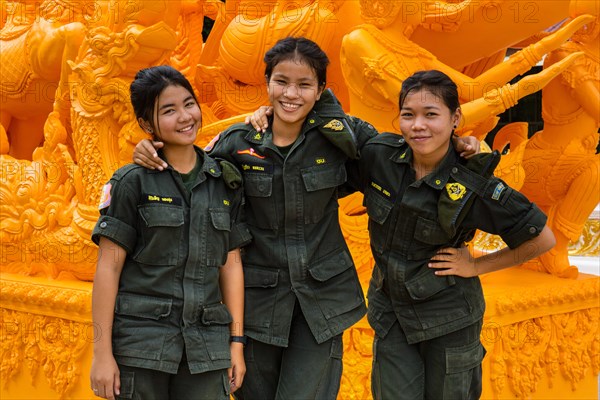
[334,125]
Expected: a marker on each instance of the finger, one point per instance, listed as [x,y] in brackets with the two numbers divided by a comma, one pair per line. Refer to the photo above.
[101,392]
[157,144]
[230,374]
[255,123]
[247,120]
[117,384]
[146,162]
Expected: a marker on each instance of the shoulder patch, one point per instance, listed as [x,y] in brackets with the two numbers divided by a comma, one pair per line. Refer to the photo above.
[498,191]
[212,142]
[105,197]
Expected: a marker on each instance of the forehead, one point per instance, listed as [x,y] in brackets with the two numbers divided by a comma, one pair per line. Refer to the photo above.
[423,98]
[294,69]
[172,93]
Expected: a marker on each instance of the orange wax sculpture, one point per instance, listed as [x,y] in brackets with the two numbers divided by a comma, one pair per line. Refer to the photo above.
[66,125]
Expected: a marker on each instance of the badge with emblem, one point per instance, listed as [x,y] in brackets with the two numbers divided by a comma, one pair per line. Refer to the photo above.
[455,190]
[334,125]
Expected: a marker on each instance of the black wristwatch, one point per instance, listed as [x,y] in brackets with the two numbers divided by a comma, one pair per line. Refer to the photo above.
[239,339]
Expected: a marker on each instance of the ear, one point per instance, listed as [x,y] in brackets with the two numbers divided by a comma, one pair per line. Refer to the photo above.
[145,126]
[320,92]
[457,117]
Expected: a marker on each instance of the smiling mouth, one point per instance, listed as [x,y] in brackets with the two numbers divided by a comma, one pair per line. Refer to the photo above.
[289,106]
[187,129]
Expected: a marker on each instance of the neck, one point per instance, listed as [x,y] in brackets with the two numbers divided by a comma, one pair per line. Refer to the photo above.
[285,134]
[181,158]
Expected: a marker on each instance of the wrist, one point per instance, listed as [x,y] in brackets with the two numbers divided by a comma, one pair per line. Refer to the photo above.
[238,339]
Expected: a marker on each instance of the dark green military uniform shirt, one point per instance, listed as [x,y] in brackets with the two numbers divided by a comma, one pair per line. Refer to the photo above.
[169,296]
[298,250]
[410,220]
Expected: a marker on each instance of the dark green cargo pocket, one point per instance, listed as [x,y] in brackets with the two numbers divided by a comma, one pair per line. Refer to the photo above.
[215,320]
[336,286]
[378,210]
[437,299]
[321,183]
[161,236]
[427,284]
[463,371]
[217,244]
[137,325]
[429,236]
[261,294]
[260,204]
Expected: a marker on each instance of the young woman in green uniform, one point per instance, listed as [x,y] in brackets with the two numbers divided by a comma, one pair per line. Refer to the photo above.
[424,202]
[168,289]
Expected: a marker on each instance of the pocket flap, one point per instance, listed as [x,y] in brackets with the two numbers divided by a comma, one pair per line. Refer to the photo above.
[426,284]
[258,185]
[326,269]
[162,215]
[220,219]
[464,358]
[254,277]
[216,314]
[143,306]
[430,232]
[377,207]
[323,177]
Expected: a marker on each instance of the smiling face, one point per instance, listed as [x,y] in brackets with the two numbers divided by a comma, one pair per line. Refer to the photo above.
[293,90]
[177,116]
[426,123]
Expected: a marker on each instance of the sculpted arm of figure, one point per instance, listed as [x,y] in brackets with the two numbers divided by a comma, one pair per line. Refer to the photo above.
[104,374]
[588,96]
[451,261]
[518,63]
[232,286]
[145,155]
[499,100]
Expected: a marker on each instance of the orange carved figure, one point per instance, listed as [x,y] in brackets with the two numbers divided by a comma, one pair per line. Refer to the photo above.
[561,165]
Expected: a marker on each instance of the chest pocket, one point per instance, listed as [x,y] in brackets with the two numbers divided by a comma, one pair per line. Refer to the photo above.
[260,207]
[428,237]
[217,240]
[162,234]
[379,210]
[321,183]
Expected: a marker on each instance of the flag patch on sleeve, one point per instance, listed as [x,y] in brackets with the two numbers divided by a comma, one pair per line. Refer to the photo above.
[105,196]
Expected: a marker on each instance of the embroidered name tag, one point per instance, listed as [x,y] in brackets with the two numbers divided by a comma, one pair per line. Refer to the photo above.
[156,198]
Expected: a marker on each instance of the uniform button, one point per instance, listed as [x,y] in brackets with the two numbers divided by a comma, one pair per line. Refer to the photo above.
[125,306]
[103,224]
[532,229]
[261,187]
[425,232]
[265,282]
[454,170]
[157,311]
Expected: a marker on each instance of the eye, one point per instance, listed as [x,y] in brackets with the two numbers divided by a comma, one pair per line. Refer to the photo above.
[190,104]
[279,81]
[406,115]
[431,114]
[168,111]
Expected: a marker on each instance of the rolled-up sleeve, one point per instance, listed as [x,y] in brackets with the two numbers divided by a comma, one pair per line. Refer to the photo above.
[117,220]
[508,213]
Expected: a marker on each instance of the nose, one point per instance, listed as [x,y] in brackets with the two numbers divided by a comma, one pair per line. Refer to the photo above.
[291,90]
[184,115]
[418,123]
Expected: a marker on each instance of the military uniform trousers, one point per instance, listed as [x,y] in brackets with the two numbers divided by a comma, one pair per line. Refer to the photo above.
[444,368]
[148,384]
[305,370]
